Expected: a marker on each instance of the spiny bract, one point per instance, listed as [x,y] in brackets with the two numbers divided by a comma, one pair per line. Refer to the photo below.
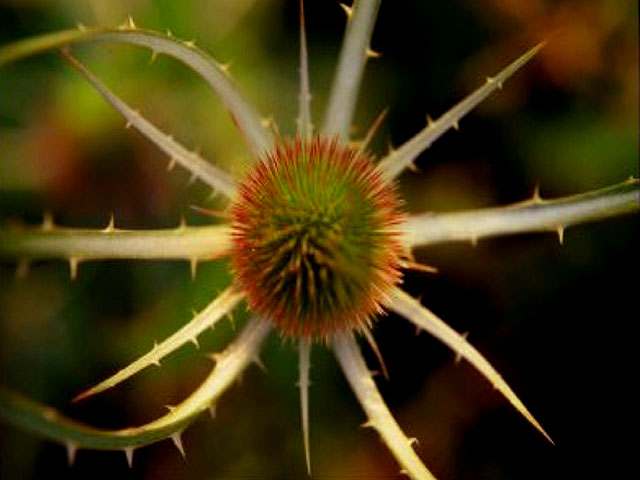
[316,240]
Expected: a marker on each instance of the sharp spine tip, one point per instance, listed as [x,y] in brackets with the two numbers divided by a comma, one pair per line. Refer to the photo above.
[225,68]
[367,424]
[370,53]
[347,10]
[128,452]
[193,265]
[72,449]
[536,198]
[111,226]
[47,221]
[177,441]
[73,267]
[258,362]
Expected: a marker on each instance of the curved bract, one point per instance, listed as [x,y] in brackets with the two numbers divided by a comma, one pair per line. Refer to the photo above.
[211,71]
[20,411]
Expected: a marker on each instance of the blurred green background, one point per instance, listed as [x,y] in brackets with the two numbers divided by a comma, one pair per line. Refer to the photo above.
[552,319]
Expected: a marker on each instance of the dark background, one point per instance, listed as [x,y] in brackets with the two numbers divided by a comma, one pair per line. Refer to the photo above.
[555,320]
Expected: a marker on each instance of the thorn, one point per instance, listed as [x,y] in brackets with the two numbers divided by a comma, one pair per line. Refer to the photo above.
[172,163]
[367,424]
[231,320]
[47,221]
[177,441]
[454,124]
[169,33]
[493,81]
[111,226]
[155,347]
[73,267]
[560,231]
[372,130]
[413,168]
[210,212]
[536,198]
[128,24]
[257,361]
[190,43]
[347,10]
[182,225]
[171,408]
[474,241]
[194,340]
[404,471]
[372,53]
[193,263]
[458,355]
[390,149]
[216,357]
[413,441]
[80,26]
[72,448]
[418,330]
[374,346]
[430,121]
[212,195]
[212,411]
[128,451]
[225,68]
[192,179]
[420,267]
[154,55]
[22,269]
[270,124]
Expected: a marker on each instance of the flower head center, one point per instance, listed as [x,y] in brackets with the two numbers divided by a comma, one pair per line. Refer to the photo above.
[315,242]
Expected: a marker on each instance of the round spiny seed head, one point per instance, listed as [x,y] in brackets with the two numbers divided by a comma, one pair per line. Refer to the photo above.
[316,245]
